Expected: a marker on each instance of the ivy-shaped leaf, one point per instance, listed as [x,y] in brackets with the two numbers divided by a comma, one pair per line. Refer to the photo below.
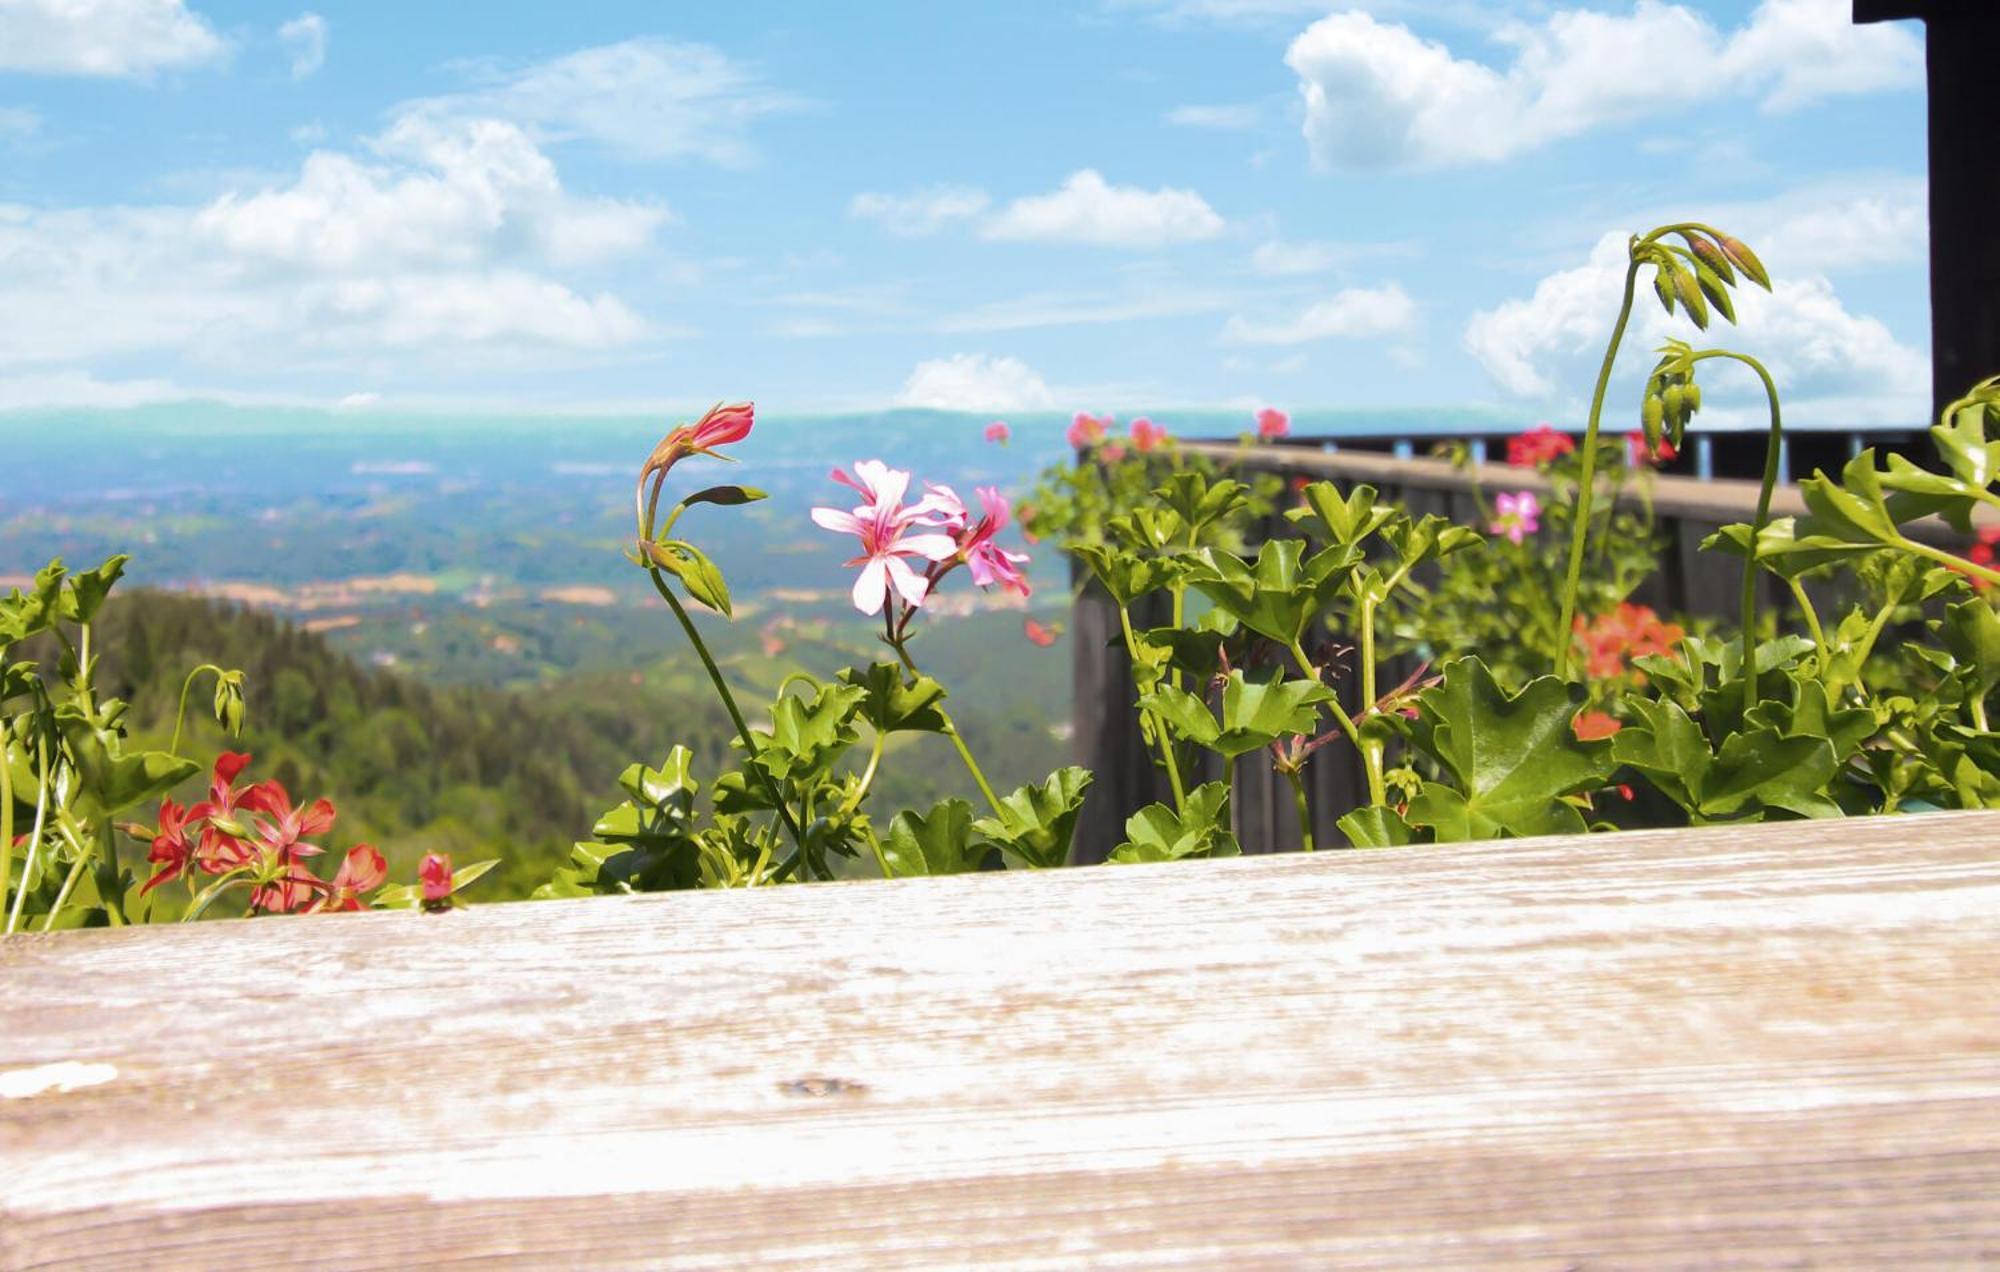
[1282,593]
[1254,713]
[896,701]
[937,843]
[1036,823]
[1511,759]
[1158,833]
[1375,826]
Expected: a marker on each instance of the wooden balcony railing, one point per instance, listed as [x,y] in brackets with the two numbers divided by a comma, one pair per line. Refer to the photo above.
[1761,1046]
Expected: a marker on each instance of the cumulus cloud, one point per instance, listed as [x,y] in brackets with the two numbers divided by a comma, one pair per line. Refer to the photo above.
[1089,210]
[921,213]
[442,239]
[1546,345]
[976,382]
[305,36]
[1353,314]
[1377,96]
[648,99]
[112,38]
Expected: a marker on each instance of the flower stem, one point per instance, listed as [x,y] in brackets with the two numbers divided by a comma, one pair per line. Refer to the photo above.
[1587,478]
[34,835]
[1776,440]
[180,713]
[1371,757]
[6,817]
[1305,813]
[1159,727]
[735,715]
[214,890]
[1812,621]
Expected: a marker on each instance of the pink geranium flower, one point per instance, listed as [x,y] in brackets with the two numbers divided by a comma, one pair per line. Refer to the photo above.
[990,563]
[883,525]
[719,427]
[998,431]
[1515,516]
[1273,423]
[1147,435]
[1113,452]
[1088,430]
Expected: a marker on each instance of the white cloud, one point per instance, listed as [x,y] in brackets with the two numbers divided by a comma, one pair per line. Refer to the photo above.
[1088,210]
[446,245]
[305,36]
[453,193]
[976,382]
[104,37]
[1353,314]
[1280,259]
[1217,117]
[921,213]
[1848,368]
[643,98]
[1377,96]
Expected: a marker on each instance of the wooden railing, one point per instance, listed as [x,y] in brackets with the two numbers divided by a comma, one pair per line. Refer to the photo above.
[1762,1046]
[1106,725]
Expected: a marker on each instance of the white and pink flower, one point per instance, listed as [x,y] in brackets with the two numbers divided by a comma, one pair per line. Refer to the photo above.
[885,527]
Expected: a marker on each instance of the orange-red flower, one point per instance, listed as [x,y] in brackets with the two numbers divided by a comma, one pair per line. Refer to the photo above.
[1630,631]
[1641,454]
[363,870]
[171,851]
[1147,435]
[1593,726]
[1038,633]
[434,874]
[1540,445]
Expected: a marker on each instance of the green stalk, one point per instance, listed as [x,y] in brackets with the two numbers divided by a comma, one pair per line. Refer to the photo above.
[1812,621]
[1377,787]
[1946,559]
[6,817]
[1305,813]
[950,729]
[69,883]
[214,890]
[1587,478]
[34,835]
[1749,601]
[729,704]
[1159,727]
[180,712]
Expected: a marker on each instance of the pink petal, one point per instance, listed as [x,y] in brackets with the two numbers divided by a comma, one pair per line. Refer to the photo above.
[835,519]
[934,547]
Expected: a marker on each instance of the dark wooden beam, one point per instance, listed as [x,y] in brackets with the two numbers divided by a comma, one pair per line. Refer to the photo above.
[1964,185]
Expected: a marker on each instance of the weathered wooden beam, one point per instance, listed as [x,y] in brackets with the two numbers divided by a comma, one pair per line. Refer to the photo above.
[1960,39]
[1756,1046]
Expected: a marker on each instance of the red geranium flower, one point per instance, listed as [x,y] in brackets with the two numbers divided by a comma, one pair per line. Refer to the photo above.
[283,844]
[1640,454]
[363,870]
[719,427]
[1630,631]
[1540,445]
[1591,726]
[224,839]
[1273,423]
[1038,633]
[171,851]
[434,873]
[1147,435]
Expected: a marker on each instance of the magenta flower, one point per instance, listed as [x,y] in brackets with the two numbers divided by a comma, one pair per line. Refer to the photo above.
[1146,435]
[883,525]
[1515,515]
[998,431]
[1273,423]
[989,561]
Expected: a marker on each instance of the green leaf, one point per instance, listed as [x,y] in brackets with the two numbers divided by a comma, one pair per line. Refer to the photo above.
[1344,519]
[1375,826]
[725,496]
[1126,575]
[1254,713]
[1280,595]
[1511,758]
[1036,823]
[898,702]
[1158,833]
[109,779]
[695,571]
[937,843]
[807,736]
[88,590]
[1971,631]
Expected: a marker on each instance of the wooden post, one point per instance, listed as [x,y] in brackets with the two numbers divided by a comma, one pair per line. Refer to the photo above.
[1964,185]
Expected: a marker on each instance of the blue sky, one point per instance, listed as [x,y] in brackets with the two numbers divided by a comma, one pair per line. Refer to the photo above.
[1099,204]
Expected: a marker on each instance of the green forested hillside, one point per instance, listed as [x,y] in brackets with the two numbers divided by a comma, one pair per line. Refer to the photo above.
[518,773]
[473,771]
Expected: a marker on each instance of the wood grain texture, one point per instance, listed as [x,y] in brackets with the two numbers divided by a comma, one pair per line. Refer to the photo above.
[1773,1046]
